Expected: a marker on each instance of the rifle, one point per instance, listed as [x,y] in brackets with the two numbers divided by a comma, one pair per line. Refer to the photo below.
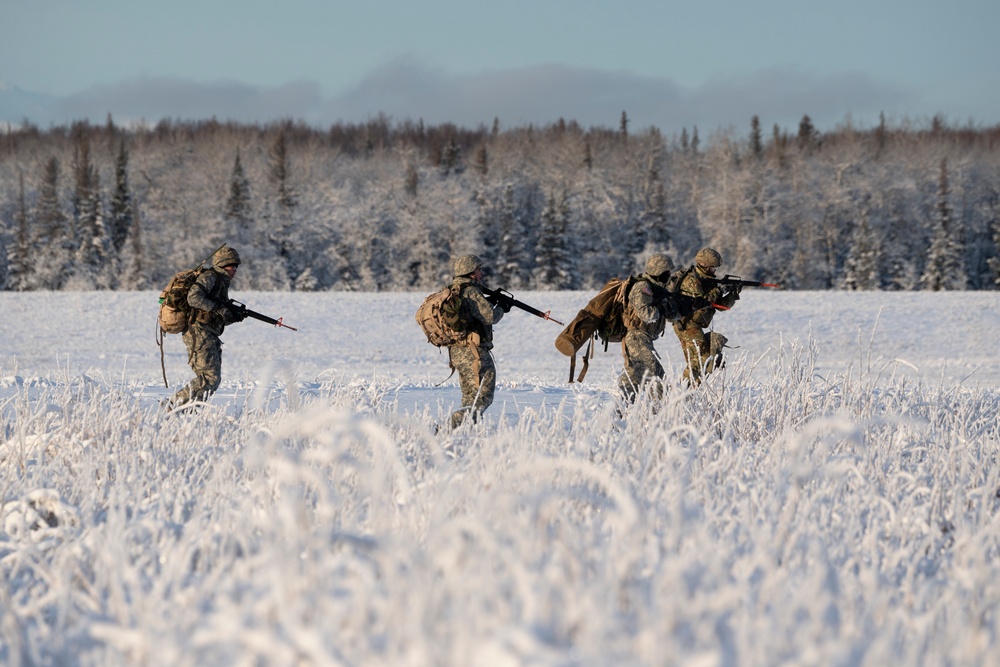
[503,298]
[684,305]
[735,281]
[242,309]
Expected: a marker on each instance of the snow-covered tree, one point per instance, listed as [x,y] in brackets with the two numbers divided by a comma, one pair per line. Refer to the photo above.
[120,214]
[994,262]
[944,269]
[238,210]
[861,269]
[50,248]
[554,252]
[512,264]
[18,276]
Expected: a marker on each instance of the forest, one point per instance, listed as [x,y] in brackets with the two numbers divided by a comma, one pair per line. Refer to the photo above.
[383,205]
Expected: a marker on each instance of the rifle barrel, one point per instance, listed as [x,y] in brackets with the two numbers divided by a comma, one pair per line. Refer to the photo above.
[506,297]
[737,281]
[259,316]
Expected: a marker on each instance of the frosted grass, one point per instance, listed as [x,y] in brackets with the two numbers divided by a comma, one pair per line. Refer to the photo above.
[844,518]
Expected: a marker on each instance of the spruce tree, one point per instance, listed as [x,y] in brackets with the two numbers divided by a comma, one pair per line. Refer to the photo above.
[279,224]
[50,247]
[511,258]
[83,189]
[807,134]
[861,268]
[553,256]
[279,173]
[756,141]
[120,215]
[994,262]
[881,135]
[482,163]
[944,269]
[18,276]
[92,268]
[133,267]
[238,212]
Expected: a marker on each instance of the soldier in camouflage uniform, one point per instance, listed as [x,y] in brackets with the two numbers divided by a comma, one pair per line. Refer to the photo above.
[209,301]
[645,318]
[472,358]
[702,351]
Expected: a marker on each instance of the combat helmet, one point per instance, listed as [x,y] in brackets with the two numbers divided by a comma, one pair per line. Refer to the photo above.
[708,258]
[466,264]
[658,265]
[225,256]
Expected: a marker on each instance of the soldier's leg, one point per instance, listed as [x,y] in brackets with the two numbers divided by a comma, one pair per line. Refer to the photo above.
[470,369]
[641,365]
[693,345]
[205,359]
[487,382]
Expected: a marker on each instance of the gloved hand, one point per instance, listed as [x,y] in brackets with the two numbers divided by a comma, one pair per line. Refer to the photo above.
[669,310]
[230,314]
[505,306]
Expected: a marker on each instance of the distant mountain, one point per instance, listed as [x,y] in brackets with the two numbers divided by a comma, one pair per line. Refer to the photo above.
[17,104]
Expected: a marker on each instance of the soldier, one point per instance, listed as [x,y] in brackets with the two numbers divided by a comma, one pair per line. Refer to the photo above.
[472,358]
[209,301]
[647,312]
[702,352]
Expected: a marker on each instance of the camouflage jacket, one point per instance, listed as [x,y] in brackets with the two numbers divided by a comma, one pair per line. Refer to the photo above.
[477,311]
[643,311]
[691,285]
[209,296]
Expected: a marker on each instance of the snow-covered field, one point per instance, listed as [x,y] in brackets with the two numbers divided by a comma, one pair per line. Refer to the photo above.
[830,498]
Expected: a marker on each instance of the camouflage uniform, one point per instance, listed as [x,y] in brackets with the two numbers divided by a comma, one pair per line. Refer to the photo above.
[471,358]
[209,299]
[645,319]
[702,351]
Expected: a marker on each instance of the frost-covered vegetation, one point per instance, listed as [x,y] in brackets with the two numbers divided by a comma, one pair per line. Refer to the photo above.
[784,513]
[383,205]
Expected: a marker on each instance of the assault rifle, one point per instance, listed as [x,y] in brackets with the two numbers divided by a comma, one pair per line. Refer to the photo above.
[685,305]
[734,281]
[504,299]
[242,309]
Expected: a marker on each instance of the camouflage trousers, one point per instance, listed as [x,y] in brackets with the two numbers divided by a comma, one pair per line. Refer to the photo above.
[702,352]
[205,359]
[641,365]
[477,376]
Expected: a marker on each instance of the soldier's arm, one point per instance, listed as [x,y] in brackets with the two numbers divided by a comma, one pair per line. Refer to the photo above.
[728,299]
[643,304]
[482,309]
[695,288]
[202,287]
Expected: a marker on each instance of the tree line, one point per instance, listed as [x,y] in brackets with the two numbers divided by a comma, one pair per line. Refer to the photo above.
[383,205]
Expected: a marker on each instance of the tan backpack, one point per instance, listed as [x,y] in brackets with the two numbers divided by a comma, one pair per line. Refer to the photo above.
[440,318]
[175,313]
[600,318]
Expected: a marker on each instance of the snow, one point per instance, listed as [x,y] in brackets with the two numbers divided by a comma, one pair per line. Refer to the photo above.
[830,497]
[945,336]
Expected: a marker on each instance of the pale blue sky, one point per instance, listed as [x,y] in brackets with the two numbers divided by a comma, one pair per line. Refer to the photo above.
[673,64]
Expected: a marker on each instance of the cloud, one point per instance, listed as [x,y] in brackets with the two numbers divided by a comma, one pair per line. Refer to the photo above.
[540,95]
[543,94]
[152,99]
[407,89]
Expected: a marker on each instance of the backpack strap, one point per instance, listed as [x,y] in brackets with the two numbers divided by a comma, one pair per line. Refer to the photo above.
[163,365]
